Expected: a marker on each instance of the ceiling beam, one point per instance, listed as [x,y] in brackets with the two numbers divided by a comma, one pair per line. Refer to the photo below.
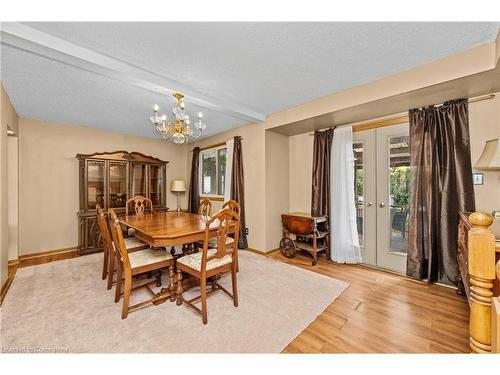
[31,40]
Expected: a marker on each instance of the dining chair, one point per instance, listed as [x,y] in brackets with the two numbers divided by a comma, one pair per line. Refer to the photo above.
[140,205]
[205,207]
[131,243]
[211,262]
[135,263]
[232,205]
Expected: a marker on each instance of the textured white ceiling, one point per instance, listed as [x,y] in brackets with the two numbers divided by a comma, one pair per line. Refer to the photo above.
[264,66]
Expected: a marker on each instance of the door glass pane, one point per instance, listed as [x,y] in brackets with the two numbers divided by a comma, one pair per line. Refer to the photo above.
[95,184]
[359,188]
[209,172]
[138,180]
[221,176]
[117,184]
[399,190]
[157,184]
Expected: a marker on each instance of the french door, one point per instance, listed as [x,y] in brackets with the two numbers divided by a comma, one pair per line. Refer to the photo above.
[382,193]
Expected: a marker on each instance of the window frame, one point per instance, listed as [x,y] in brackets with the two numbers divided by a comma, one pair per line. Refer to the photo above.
[200,171]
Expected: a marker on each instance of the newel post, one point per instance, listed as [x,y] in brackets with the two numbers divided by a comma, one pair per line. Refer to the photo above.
[482,273]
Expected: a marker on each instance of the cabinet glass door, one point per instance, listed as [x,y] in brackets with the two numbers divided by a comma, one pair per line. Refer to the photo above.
[117,184]
[95,184]
[138,180]
[157,184]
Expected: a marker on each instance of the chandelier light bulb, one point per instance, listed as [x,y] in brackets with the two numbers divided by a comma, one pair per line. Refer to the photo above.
[200,115]
[156,107]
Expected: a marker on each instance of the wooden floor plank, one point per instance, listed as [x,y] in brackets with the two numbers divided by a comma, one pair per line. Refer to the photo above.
[382,312]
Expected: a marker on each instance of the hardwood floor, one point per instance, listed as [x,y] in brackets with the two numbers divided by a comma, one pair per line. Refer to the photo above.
[383,313]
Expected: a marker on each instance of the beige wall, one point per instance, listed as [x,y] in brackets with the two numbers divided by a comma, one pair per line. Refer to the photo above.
[253,145]
[301,152]
[8,119]
[277,186]
[484,124]
[13,195]
[48,177]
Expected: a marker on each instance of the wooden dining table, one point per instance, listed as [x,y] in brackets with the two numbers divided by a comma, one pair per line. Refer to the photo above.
[169,228]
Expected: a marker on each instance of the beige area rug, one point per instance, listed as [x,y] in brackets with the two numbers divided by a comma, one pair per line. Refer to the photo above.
[65,306]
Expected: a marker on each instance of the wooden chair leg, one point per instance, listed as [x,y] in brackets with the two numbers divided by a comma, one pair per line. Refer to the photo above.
[126,296]
[179,288]
[235,284]
[203,286]
[119,274]
[105,265]
[111,270]
[171,283]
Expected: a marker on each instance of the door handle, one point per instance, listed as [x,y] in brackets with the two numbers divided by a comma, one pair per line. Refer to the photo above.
[381,204]
[369,204]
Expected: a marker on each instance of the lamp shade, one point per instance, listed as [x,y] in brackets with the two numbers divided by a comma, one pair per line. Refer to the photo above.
[490,158]
[178,186]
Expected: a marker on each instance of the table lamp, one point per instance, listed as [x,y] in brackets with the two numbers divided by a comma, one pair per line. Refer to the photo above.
[178,186]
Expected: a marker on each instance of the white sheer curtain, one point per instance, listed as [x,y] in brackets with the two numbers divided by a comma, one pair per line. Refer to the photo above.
[229,169]
[344,239]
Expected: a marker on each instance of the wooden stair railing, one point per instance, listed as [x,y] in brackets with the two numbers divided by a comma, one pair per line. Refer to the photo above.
[495,313]
[481,265]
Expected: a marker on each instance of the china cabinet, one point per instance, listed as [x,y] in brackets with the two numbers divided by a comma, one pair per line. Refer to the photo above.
[109,179]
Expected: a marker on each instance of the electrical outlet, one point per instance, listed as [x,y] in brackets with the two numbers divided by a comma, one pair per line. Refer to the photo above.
[246,231]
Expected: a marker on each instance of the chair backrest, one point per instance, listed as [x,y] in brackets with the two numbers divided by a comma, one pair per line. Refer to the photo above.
[232,205]
[140,204]
[119,243]
[205,207]
[226,219]
[104,229]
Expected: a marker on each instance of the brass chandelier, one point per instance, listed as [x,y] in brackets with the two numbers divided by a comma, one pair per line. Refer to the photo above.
[179,130]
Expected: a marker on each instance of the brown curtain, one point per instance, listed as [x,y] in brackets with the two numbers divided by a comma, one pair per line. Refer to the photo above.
[194,184]
[237,189]
[320,199]
[441,186]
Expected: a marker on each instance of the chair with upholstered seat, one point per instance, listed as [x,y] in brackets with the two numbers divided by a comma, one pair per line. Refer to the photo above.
[212,262]
[141,205]
[136,263]
[232,205]
[131,243]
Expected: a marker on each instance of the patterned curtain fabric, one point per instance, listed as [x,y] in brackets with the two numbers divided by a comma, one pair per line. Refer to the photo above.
[441,186]
[321,190]
[194,184]
[237,188]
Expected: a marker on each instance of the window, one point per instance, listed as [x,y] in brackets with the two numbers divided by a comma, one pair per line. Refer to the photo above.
[213,171]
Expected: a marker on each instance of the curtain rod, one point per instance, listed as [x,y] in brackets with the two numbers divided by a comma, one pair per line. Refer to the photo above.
[213,146]
[400,118]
